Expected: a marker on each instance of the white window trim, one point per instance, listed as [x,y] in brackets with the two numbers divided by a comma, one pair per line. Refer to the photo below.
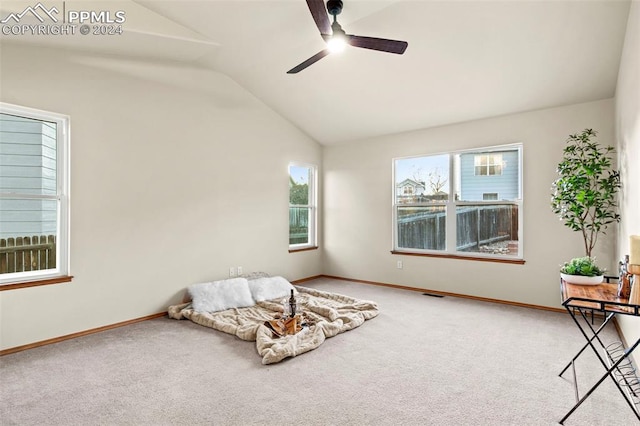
[313,206]
[63,176]
[452,204]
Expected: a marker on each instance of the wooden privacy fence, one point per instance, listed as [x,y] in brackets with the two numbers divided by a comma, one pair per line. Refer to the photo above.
[422,231]
[27,253]
[475,226]
[478,226]
[298,225]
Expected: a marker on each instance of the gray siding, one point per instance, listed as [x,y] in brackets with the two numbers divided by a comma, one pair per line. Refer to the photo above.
[27,166]
[506,185]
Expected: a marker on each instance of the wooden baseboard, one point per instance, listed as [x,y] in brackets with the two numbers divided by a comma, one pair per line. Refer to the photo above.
[445,293]
[79,334]
[104,328]
[302,280]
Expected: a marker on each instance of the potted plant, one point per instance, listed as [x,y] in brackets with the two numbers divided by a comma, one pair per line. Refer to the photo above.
[581,270]
[584,196]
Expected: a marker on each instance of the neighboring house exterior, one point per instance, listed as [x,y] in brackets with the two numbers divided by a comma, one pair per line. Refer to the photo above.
[489,176]
[27,167]
[408,189]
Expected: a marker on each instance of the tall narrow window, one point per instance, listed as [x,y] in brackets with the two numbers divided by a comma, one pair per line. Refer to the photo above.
[33,194]
[302,206]
[463,203]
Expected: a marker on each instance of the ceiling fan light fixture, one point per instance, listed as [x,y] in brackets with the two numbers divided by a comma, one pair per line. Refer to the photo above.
[337,43]
[338,39]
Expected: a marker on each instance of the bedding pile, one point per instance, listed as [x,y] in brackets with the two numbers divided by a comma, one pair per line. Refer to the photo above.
[224,306]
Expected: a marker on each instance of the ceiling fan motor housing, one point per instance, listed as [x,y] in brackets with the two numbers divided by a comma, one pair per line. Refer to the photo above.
[334,7]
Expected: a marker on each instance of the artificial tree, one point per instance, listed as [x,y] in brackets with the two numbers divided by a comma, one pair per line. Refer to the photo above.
[584,194]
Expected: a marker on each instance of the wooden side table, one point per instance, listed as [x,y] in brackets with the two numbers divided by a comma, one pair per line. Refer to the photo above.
[580,299]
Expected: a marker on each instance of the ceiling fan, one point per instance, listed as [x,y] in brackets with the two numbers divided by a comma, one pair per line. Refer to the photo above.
[335,36]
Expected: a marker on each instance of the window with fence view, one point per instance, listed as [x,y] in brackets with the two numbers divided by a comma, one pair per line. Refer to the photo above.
[302,206]
[462,203]
[32,193]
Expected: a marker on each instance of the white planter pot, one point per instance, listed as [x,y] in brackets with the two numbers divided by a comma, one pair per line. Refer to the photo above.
[581,279]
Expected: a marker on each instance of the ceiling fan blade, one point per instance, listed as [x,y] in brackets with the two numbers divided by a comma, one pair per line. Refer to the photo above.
[319,12]
[381,44]
[312,60]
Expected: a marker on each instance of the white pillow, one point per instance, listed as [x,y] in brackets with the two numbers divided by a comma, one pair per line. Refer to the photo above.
[220,295]
[270,288]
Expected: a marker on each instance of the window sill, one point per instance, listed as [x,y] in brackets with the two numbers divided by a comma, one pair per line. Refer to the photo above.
[295,250]
[37,283]
[455,256]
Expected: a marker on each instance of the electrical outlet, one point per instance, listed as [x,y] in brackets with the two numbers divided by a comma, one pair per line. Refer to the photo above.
[399,264]
[239,270]
[232,272]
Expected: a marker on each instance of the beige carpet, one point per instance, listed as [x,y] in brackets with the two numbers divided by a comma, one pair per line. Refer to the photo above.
[422,361]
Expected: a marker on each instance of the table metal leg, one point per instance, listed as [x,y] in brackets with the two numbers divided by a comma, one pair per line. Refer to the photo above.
[604,376]
[586,345]
[609,370]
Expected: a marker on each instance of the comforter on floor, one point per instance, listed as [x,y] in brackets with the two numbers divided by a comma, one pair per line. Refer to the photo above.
[328,313]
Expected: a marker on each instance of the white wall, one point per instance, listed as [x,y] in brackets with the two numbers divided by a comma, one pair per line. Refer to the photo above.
[627,114]
[157,206]
[358,196]
[176,175]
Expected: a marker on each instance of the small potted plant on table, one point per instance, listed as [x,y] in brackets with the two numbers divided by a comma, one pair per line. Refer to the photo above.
[581,270]
[584,197]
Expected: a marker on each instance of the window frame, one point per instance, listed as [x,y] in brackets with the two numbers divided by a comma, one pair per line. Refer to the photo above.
[451,206]
[61,272]
[312,232]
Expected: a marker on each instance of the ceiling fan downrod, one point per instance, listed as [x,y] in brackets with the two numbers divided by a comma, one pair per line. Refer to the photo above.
[334,7]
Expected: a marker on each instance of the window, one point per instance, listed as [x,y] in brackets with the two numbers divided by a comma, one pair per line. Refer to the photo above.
[459,212]
[34,234]
[488,164]
[302,206]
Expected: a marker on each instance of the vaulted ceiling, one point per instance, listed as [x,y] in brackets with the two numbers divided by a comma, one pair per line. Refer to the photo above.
[466,60]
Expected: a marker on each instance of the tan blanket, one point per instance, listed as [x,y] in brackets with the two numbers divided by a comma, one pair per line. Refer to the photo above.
[328,313]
